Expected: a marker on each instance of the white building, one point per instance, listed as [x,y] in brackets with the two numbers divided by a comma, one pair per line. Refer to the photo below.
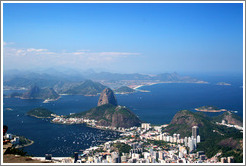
[198,139]
[145,126]
[191,145]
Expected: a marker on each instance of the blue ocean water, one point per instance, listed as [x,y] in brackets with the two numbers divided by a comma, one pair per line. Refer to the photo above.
[157,107]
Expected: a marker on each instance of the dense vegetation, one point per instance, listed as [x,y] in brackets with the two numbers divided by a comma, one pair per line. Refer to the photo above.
[214,138]
[86,88]
[110,115]
[40,93]
[40,113]
[230,118]
[16,151]
[122,148]
[124,89]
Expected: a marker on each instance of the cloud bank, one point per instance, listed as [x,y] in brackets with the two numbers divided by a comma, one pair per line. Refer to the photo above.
[40,57]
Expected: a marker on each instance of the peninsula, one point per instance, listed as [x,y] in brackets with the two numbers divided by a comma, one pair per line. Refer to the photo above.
[209,109]
[107,115]
[41,113]
[41,93]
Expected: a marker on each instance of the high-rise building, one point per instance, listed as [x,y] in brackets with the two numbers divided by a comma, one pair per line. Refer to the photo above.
[195,131]
[198,139]
[194,142]
[230,159]
[178,136]
[223,160]
[168,138]
[181,155]
[191,145]
[186,141]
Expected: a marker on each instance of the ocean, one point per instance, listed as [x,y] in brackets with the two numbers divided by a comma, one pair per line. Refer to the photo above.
[157,107]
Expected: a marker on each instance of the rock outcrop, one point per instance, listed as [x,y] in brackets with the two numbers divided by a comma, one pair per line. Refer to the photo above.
[108,113]
[107,97]
[230,118]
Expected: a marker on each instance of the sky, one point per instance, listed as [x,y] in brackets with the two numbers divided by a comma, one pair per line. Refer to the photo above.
[124,38]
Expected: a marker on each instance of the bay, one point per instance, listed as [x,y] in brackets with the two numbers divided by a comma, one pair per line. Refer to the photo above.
[157,107]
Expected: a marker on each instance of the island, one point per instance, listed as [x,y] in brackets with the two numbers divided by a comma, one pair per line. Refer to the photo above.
[23,142]
[124,90]
[41,113]
[223,83]
[209,109]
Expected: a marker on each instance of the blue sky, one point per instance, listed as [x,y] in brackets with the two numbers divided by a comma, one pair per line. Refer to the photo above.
[127,38]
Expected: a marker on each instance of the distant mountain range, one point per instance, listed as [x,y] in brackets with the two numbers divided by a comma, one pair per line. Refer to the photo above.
[62,81]
[87,88]
[40,93]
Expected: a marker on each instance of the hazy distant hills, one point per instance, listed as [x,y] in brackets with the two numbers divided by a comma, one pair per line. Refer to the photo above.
[162,77]
[65,80]
[86,88]
[40,93]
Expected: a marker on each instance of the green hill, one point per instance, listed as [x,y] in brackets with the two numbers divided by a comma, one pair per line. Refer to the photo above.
[214,138]
[87,88]
[110,115]
[37,93]
[230,118]
[40,113]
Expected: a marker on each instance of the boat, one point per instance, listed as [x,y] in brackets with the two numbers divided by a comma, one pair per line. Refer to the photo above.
[46,101]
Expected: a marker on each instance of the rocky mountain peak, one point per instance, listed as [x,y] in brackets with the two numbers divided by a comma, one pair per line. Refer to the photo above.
[107,97]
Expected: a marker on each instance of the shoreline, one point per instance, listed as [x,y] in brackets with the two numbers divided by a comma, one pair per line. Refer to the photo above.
[25,145]
[167,82]
[206,110]
[86,126]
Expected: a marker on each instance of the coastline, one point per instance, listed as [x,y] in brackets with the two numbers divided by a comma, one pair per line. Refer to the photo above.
[87,126]
[135,87]
[25,145]
[48,100]
[40,117]
[206,110]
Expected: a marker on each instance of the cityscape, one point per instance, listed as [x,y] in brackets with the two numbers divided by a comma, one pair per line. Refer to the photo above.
[123,82]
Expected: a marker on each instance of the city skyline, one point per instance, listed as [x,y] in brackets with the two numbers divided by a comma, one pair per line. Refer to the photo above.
[126,38]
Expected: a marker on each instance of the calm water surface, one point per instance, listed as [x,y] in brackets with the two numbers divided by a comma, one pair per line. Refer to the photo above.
[157,107]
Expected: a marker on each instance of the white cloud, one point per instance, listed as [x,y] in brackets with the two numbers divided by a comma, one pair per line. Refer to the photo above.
[44,57]
[36,50]
[8,43]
